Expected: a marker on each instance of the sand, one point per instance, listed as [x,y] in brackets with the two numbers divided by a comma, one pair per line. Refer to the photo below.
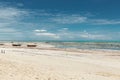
[50,64]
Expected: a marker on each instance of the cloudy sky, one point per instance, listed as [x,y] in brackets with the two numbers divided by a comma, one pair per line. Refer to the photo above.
[59,20]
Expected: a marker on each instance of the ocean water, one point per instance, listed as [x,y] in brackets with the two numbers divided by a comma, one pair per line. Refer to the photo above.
[110,45]
[88,45]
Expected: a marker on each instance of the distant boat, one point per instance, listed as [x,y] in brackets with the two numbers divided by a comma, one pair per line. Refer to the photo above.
[31,45]
[1,44]
[16,44]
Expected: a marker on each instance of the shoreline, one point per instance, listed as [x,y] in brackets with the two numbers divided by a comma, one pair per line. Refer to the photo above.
[50,63]
[47,46]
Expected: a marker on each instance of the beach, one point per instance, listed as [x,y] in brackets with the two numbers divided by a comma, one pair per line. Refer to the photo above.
[46,62]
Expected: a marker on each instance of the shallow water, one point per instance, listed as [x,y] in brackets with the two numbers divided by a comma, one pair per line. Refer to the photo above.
[88,45]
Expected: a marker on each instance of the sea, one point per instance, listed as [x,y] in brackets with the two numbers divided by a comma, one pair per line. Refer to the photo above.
[101,45]
[81,44]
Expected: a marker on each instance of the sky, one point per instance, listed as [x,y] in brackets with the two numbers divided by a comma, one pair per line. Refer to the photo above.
[60,20]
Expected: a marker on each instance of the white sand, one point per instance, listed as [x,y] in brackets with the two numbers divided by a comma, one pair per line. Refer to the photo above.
[34,64]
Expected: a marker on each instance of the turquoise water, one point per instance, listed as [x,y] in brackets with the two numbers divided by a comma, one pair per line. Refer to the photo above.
[81,44]
[60,41]
[88,45]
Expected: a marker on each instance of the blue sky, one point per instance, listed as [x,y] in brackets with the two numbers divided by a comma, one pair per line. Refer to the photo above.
[59,20]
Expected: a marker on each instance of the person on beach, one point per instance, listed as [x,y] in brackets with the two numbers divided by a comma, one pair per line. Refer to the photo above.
[3,51]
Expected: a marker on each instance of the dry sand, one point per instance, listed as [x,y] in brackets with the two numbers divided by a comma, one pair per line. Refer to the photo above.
[41,64]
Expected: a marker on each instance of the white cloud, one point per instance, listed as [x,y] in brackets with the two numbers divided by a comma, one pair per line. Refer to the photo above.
[78,35]
[42,30]
[104,21]
[78,19]
[10,13]
[69,19]
[92,36]
[9,17]
[2,24]
[17,22]
[10,34]
[63,29]
[7,30]
[45,33]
